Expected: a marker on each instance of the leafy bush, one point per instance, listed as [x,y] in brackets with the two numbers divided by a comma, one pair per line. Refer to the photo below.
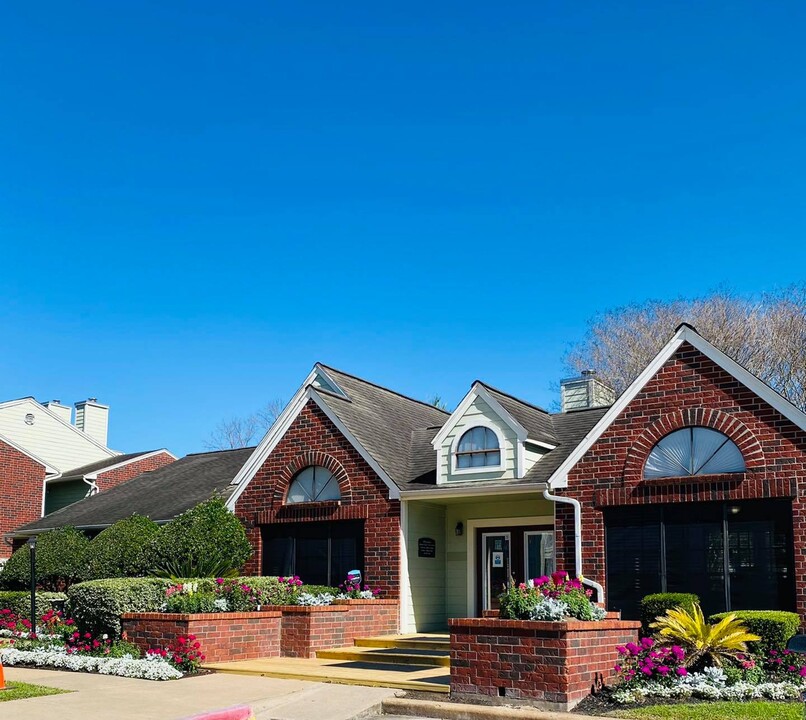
[118,550]
[705,644]
[206,541]
[19,602]
[656,605]
[59,561]
[189,598]
[96,605]
[774,627]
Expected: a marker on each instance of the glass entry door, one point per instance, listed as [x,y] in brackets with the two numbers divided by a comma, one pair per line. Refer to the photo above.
[496,566]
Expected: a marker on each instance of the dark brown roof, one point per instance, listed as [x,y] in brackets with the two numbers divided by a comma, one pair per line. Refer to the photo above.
[536,420]
[160,494]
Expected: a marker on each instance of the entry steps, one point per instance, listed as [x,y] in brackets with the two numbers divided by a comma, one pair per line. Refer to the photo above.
[408,662]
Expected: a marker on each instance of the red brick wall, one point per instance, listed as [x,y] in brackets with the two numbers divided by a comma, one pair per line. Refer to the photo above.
[308,629]
[313,439]
[21,485]
[550,664]
[113,478]
[688,390]
[223,636]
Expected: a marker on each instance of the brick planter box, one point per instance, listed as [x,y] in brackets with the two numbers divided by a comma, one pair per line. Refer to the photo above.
[552,665]
[223,636]
[308,629]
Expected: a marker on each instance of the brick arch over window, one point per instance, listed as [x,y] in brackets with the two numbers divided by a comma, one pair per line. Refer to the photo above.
[314,457]
[718,420]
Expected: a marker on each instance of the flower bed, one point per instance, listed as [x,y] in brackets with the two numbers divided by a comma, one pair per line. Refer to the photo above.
[55,642]
[549,598]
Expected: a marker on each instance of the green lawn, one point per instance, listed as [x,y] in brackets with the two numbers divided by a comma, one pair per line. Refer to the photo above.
[757,710]
[20,691]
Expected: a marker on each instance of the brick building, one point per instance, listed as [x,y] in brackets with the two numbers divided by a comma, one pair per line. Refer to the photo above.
[48,461]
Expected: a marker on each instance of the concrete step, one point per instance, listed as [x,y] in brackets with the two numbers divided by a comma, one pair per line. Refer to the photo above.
[421,641]
[392,655]
[405,677]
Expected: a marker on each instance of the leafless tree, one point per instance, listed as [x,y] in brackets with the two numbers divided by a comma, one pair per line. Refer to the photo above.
[766,334]
[239,432]
[437,401]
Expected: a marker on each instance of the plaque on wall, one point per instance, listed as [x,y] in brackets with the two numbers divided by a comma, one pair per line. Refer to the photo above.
[426,548]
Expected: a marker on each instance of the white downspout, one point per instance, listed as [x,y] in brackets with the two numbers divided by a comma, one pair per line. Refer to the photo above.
[577,539]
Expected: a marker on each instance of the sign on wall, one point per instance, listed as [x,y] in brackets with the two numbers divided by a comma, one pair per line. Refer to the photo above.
[426,547]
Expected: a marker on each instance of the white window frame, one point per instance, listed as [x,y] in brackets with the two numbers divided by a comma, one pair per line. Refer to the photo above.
[526,535]
[482,422]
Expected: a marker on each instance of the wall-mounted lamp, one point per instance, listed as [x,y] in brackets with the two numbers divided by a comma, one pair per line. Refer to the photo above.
[460,528]
[734,509]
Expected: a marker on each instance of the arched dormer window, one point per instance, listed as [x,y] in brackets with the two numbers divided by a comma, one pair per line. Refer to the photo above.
[693,451]
[313,484]
[478,447]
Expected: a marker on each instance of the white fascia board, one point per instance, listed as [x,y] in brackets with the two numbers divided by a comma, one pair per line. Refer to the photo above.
[270,440]
[685,333]
[540,443]
[394,490]
[478,390]
[485,493]
[49,469]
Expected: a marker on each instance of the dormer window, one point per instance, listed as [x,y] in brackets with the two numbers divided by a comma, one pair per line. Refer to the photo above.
[693,451]
[478,447]
[313,484]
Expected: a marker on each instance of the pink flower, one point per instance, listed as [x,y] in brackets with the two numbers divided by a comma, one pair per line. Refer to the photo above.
[647,643]
[681,671]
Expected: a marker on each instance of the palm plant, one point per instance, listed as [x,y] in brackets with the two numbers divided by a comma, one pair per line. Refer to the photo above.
[702,641]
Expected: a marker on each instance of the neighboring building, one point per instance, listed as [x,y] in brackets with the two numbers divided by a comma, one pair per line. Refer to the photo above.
[47,462]
[692,480]
[160,494]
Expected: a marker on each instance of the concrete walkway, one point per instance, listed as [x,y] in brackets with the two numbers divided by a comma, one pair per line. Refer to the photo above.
[99,697]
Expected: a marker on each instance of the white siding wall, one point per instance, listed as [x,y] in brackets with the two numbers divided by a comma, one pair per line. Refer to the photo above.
[48,438]
[532,454]
[426,606]
[479,411]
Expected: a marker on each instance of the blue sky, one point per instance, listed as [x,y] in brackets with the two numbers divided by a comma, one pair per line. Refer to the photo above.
[198,200]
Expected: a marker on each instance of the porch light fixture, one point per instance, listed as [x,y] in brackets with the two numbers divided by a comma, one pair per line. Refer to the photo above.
[460,528]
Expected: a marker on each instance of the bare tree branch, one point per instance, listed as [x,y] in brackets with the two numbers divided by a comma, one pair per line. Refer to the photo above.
[239,432]
[767,335]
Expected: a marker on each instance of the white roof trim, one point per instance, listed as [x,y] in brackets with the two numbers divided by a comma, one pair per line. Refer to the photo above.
[335,388]
[281,425]
[465,490]
[478,390]
[39,406]
[685,333]
[49,469]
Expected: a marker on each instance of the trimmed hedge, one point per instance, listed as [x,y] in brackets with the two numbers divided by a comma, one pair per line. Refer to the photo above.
[655,605]
[59,561]
[19,602]
[206,541]
[118,551]
[774,627]
[96,605]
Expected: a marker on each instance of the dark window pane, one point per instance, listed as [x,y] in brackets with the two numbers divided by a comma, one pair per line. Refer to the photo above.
[278,553]
[633,558]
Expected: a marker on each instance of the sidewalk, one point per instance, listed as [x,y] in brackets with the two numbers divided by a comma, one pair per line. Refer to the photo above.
[99,697]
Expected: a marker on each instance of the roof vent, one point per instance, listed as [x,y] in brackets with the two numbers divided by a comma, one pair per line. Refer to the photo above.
[585,391]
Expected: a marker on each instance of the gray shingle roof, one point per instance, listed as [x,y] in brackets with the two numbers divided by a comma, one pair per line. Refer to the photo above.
[536,420]
[99,465]
[160,494]
[388,425]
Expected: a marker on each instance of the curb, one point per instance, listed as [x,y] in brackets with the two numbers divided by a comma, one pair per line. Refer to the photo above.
[459,711]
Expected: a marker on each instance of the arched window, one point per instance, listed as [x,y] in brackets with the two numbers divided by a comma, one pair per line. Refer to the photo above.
[314,484]
[693,451]
[478,447]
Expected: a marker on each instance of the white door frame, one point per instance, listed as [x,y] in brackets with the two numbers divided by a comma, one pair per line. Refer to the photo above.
[472,560]
[485,567]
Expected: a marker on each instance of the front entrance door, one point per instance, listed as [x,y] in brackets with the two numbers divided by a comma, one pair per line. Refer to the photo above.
[520,553]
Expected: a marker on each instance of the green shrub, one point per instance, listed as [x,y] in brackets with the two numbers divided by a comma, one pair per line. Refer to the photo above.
[96,605]
[59,561]
[774,627]
[321,590]
[206,541]
[197,602]
[19,602]
[118,550]
[653,606]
